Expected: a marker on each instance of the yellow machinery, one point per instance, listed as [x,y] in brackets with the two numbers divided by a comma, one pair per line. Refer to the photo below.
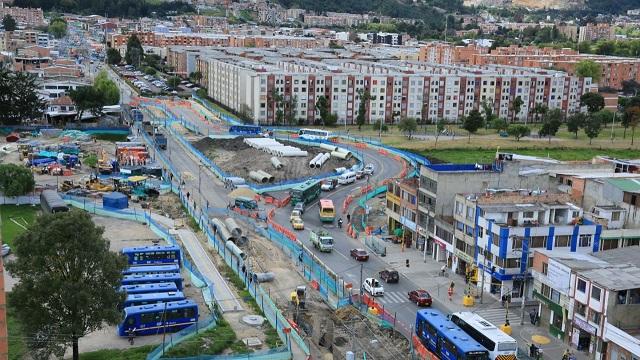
[95,184]
[298,296]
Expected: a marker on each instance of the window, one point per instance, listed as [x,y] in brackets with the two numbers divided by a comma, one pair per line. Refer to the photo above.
[555,296]
[527,214]
[615,216]
[582,286]
[538,242]
[517,242]
[562,240]
[595,293]
[545,268]
[556,320]
[585,240]
[581,308]
[595,316]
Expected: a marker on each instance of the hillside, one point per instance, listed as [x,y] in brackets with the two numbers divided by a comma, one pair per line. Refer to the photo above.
[590,6]
[395,8]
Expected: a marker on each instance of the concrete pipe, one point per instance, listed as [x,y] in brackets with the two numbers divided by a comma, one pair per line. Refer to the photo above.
[258,177]
[342,155]
[329,147]
[235,180]
[233,227]
[270,178]
[340,170]
[264,277]
[291,153]
[221,230]
[322,160]
[235,250]
[242,240]
[312,163]
[276,163]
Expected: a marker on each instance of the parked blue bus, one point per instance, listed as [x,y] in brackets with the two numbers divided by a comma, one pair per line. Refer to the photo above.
[151,269]
[158,318]
[149,288]
[245,129]
[152,279]
[156,254]
[152,298]
[445,339]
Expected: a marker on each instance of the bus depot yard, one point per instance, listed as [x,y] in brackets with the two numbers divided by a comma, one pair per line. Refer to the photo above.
[235,157]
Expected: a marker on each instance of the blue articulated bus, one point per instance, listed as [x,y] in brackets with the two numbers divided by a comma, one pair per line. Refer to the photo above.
[151,269]
[445,339]
[149,288]
[156,255]
[245,129]
[158,318]
[153,279]
[152,298]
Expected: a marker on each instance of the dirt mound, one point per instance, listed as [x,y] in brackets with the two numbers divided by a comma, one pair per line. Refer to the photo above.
[237,158]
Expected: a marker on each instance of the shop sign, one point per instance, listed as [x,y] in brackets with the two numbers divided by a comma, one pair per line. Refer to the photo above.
[585,325]
[463,256]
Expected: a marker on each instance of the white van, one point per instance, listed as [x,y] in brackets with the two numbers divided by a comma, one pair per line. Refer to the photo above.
[347,178]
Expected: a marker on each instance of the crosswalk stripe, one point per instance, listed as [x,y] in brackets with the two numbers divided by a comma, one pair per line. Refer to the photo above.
[497,316]
[391,297]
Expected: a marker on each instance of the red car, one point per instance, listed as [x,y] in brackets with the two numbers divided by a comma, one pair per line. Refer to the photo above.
[359,254]
[420,297]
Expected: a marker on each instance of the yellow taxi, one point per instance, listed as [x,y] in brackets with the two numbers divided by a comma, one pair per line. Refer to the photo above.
[295,214]
[297,224]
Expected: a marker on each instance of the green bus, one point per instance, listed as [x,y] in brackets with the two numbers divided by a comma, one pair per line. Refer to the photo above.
[305,192]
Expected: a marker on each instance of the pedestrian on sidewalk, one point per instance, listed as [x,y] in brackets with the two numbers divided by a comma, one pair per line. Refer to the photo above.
[188,194]
[443,269]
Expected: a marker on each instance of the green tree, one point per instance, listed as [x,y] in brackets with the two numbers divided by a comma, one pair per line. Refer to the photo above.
[362,107]
[518,131]
[592,127]
[487,110]
[440,125]
[113,56]
[408,125]
[58,28]
[195,77]
[108,89]
[551,124]
[16,180]
[516,106]
[584,47]
[87,98]
[540,110]
[68,281]
[499,124]
[134,53]
[173,82]
[322,105]
[9,23]
[25,103]
[473,122]
[589,68]
[632,115]
[575,122]
[150,70]
[379,126]
[593,101]
[331,120]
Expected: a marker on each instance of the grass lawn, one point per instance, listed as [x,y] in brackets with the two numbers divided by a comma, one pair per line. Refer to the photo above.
[210,342]
[136,353]
[24,215]
[480,155]
[111,137]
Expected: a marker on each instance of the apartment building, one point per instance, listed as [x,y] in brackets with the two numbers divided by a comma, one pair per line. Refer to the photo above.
[591,301]
[398,89]
[164,39]
[508,225]
[31,17]
[593,32]
[615,69]
[386,38]
[402,209]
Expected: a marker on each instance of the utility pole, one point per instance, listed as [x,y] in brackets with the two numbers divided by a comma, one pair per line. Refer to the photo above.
[484,266]
[524,294]
[360,292]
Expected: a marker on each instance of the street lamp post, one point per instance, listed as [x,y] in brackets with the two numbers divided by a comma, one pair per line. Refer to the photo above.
[523,274]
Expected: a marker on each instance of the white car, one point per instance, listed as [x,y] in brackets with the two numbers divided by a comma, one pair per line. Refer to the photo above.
[6,250]
[373,287]
[369,169]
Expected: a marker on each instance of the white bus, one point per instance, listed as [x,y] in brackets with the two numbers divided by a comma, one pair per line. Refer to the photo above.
[314,134]
[500,345]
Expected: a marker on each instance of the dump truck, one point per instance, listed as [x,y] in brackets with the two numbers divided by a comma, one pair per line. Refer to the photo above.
[322,240]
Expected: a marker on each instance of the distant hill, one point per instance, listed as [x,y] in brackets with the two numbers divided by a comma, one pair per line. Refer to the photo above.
[394,8]
[115,8]
[590,6]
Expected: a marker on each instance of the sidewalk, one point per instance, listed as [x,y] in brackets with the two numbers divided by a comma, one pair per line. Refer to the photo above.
[425,274]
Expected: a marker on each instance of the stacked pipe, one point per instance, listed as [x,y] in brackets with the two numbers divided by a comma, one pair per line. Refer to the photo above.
[235,250]
[329,147]
[276,163]
[274,147]
[270,178]
[233,227]
[221,230]
[258,177]
[341,153]
[312,163]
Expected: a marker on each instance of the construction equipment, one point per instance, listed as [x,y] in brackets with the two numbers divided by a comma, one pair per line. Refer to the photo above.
[95,184]
[298,296]
[104,165]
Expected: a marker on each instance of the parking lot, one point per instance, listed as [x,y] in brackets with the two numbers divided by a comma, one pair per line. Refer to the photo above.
[153,84]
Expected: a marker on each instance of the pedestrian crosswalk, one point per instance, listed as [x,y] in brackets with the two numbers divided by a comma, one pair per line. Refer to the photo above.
[497,316]
[392,297]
